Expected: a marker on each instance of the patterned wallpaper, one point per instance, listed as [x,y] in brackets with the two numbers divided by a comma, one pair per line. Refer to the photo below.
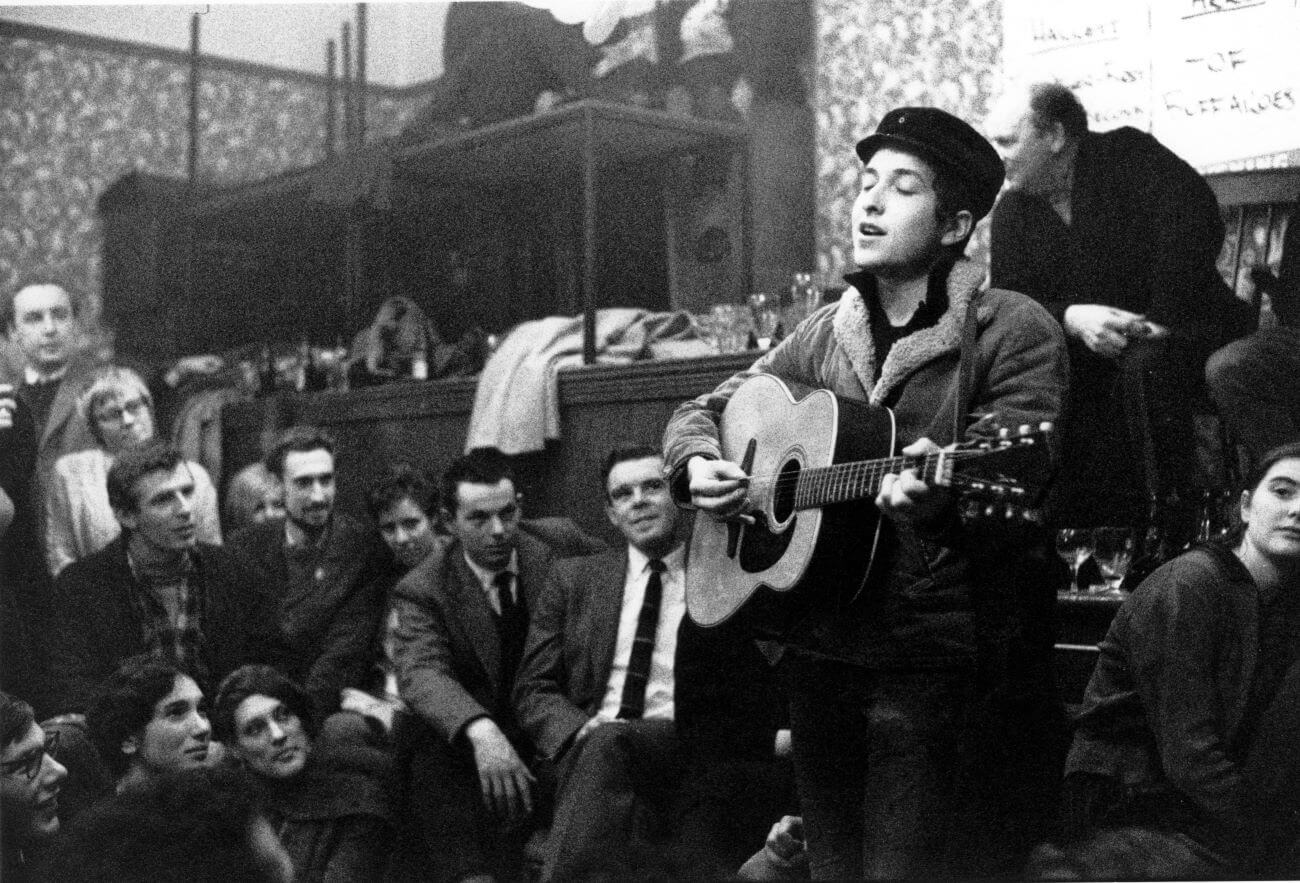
[74,119]
[875,56]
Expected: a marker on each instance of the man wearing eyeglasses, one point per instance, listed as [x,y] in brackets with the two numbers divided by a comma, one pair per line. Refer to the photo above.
[30,779]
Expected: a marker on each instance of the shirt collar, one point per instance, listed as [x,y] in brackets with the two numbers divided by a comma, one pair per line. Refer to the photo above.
[485,576]
[297,538]
[638,562]
[927,312]
[34,377]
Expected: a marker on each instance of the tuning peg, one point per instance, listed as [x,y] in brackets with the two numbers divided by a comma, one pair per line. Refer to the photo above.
[1024,429]
[1004,432]
[1046,426]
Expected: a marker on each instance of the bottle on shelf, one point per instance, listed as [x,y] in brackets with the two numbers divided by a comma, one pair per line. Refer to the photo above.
[266,370]
[420,363]
[1153,549]
[302,365]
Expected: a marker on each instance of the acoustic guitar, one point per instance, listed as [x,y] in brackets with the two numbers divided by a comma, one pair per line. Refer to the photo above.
[815,465]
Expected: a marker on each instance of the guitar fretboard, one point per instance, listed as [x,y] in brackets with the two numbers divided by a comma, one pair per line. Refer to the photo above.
[844,482]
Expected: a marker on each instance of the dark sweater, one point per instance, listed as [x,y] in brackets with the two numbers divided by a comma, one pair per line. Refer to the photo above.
[96,625]
[331,614]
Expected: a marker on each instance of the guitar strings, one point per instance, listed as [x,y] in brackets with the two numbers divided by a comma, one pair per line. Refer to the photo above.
[881,467]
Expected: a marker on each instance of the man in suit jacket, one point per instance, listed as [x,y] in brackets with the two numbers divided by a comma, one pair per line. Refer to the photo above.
[462,616]
[319,565]
[42,321]
[597,692]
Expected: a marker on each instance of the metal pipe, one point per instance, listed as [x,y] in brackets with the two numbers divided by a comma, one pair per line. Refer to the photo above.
[192,160]
[588,237]
[331,106]
[361,75]
[348,109]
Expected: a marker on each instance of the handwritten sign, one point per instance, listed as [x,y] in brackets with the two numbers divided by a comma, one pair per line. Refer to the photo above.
[1217,81]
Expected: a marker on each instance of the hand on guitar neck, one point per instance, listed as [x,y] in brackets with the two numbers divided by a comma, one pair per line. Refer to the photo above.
[721,488]
[906,499]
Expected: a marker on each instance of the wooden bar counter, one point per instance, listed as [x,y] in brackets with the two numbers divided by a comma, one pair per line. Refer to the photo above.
[425,423]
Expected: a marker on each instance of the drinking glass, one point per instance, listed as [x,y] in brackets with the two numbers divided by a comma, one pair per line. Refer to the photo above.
[731,325]
[767,315]
[1074,545]
[1112,549]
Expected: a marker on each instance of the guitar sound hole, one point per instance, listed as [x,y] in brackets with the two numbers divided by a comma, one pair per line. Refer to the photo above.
[783,494]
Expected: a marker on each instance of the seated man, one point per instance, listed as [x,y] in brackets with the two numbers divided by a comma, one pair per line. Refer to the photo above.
[319,566]
[30,779]
[404,505]
[148,718]
[462,615]
[1176,771]
[119,410]
[1118,237]
[1255,381]
[155,589]
[598,693]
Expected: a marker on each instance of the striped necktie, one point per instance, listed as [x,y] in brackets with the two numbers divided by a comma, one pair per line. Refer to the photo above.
[643,646]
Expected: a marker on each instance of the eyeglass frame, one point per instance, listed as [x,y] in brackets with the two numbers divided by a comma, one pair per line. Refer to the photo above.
[31,768]
[135,407]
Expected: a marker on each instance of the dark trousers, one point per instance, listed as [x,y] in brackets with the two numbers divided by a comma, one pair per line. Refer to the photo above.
[1255,382]
[604,781]
[1128,431]
[875,758]
[725,807]
[445,831]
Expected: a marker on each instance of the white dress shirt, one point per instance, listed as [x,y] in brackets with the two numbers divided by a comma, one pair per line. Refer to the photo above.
[672,606]
[489,588]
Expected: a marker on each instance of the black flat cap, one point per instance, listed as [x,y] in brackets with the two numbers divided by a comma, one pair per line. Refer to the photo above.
[942,138]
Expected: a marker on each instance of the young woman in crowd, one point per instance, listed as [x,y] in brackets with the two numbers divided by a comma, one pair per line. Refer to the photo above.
[253,496]
[327,792]
[117,407]
[1176,770]
[150,717]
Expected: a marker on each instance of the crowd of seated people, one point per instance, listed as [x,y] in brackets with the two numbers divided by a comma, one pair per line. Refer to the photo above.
[448,690]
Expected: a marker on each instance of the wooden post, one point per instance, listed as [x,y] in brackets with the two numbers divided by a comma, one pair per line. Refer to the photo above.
[588,237]
[361,75]
[192,160]
[331,97]
[349,120]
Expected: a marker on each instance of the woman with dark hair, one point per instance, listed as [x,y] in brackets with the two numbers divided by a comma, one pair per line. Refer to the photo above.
[150,717]
[1196,665]
[327,792]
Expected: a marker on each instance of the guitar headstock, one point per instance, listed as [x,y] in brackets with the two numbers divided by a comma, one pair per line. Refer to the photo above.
[1003,476]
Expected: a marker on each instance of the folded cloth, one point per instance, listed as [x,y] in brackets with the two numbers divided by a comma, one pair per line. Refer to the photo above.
[517,404]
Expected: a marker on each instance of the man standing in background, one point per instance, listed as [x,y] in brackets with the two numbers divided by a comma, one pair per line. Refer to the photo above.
[1118,237]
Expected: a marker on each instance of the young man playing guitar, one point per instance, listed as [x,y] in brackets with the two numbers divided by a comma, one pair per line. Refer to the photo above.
[884,677]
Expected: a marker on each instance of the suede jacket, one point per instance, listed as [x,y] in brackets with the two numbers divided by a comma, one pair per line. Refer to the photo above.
[923,614]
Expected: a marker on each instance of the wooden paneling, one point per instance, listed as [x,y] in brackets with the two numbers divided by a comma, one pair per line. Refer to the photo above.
[601,407]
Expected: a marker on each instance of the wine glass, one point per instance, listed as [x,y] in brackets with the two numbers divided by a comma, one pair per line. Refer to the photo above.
[1074,545]
[1112,549]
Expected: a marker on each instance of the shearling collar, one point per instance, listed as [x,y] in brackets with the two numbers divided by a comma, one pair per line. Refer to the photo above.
[852,326]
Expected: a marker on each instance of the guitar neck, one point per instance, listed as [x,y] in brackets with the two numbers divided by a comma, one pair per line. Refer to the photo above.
[846,482]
